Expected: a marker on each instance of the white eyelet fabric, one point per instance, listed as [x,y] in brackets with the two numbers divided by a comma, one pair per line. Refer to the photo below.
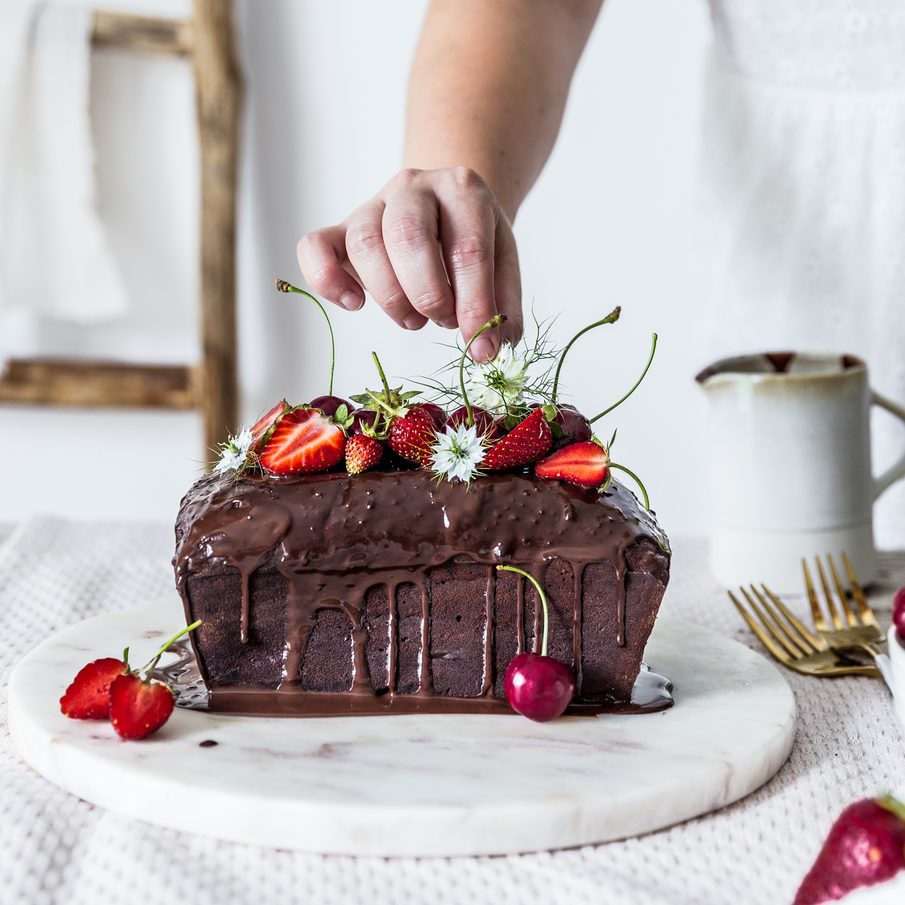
[58,850]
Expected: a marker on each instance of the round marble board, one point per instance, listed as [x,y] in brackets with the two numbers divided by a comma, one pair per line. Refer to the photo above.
[419,784]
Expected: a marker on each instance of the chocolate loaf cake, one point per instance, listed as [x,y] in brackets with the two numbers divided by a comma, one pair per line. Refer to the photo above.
[333,594]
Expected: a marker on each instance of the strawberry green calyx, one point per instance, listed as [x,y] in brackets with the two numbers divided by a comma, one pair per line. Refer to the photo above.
[388,402]
[284,286]
[611,318]
[893,805]
[543,600]
[635,385]
[495,321]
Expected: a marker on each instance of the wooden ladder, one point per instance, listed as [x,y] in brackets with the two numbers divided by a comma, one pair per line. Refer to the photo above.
[207,39]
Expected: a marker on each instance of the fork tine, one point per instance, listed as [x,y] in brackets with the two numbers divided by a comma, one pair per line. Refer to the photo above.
[764,638]
[867,614]
[840,590]
[816,643]
[787,629]
[831,607]
[816,612]
[775,630]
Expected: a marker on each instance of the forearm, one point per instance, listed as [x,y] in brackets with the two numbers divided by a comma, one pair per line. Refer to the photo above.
[489,86]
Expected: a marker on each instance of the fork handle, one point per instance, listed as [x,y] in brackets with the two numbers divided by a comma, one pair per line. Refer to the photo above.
[895,471]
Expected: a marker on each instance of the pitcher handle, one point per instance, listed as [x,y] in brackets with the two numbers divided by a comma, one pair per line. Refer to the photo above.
[897,469]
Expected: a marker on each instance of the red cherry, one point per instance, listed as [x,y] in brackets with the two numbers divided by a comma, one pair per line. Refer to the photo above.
[329,404]
[898,614]
[437,415]
[574,426]
[483,420]
[539,687]
[362,418]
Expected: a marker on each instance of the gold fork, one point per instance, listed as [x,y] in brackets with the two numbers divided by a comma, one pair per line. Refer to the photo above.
[850,629]
[790,641]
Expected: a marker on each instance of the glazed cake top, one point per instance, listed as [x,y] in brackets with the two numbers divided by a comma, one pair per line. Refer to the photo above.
[402,519]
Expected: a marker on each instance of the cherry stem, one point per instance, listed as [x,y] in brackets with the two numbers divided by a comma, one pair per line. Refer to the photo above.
[153,662]
[893,805]
[637,480]
[543,601]
[611,318]
[637,383]
[284,286]
[495,321]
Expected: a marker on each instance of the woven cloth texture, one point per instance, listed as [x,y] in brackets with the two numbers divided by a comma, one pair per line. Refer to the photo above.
[55,848]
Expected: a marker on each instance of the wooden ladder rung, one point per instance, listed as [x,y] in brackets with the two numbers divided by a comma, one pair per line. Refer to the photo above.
[103,384]
[124,31]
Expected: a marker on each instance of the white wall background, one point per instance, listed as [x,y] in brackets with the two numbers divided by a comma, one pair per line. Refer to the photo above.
[607,224]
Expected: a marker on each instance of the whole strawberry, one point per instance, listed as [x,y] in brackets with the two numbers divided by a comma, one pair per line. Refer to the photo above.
[362,452]
[88,697]
[525,443]
[412,436]
[866,845]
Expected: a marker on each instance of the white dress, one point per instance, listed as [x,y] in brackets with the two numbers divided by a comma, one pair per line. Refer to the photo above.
[804,169]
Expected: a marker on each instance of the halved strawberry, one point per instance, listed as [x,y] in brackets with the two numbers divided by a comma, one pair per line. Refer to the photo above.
[260,430]
[524,444]
[362,452]
[303,441]
[585,464]
[413,436]
[137,707]
[88,697]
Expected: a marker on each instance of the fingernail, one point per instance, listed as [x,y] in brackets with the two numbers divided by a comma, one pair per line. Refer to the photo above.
[413,322]
[449,323]
[484,348]
[351,301]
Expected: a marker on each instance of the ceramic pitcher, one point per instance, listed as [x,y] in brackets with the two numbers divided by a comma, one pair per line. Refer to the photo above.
[790,466]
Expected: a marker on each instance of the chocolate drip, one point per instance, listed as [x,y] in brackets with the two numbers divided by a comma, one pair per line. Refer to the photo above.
[519,614]
[424,672]
[489,596]
[577,576]
[392,644]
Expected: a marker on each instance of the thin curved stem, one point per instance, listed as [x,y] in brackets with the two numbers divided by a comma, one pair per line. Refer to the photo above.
[543,601]
[637,480]
[635,385]
[285,286]
[611,318]
[495,321]
[165,647]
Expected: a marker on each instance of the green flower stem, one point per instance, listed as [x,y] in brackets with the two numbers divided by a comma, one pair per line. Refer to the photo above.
[383,377]
[637,383]
[637,480]
[495,321]
[284,286]
[611,318]
[893,805]
[164,647]
[543,601]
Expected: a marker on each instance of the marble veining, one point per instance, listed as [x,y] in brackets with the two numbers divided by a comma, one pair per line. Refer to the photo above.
[415,784]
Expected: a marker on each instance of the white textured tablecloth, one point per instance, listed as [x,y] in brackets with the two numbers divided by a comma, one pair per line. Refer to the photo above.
[55,848]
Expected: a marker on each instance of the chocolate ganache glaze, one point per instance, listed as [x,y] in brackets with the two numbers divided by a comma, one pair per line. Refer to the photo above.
[336,594]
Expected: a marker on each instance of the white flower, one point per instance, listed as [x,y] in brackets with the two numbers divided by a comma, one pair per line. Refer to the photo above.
[458,452]
[498,385]
[234,453]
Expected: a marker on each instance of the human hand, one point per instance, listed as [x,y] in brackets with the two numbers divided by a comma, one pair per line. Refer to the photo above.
[431,245]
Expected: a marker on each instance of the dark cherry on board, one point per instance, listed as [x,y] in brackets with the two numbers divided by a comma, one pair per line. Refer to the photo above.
[898,615]
[362,417]
[329,404]
[539,687]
